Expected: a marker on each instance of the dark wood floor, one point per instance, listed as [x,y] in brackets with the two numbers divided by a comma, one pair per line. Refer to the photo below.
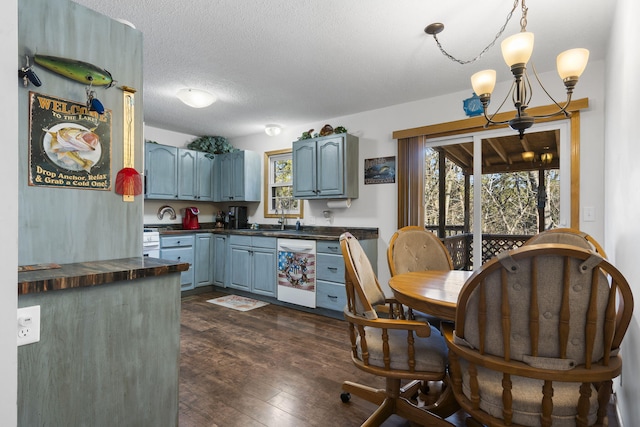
[271,366]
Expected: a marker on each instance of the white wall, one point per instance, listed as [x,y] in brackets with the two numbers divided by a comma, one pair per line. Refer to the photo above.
[9,84]
[622,175]
[377,204]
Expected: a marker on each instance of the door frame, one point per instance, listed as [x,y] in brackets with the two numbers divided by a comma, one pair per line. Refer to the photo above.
[477,124]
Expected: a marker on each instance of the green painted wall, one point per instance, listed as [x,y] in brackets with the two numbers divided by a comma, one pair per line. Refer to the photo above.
[108,356]
[66,225]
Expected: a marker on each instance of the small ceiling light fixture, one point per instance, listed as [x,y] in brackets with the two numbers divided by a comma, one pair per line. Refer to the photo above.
[196,98]
[516,51]
[272,130]
[546,158]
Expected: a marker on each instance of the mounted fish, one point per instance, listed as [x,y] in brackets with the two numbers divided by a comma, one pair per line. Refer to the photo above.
[79,71]
[28,75]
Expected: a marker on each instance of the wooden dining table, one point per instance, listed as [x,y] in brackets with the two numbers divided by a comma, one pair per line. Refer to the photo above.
[433,292]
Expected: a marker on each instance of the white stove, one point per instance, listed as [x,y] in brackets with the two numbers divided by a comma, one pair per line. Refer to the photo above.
[151,243]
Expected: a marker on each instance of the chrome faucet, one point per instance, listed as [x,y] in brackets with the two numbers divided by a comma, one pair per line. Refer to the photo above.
[283,220]
[164,209]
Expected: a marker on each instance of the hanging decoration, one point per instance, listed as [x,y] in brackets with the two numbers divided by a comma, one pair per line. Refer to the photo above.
[73,69]
[128,180]
[28,75]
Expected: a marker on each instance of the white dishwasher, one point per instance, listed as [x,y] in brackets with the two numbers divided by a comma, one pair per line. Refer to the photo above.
[297,272]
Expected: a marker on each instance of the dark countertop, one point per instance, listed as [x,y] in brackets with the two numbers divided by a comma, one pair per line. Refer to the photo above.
[83,274]
[307,232]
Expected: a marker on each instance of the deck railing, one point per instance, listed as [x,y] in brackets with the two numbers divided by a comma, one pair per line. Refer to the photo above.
[460,246]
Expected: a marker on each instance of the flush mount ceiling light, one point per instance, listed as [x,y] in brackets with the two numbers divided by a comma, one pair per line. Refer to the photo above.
[272,130]
[196,98]
[516,51]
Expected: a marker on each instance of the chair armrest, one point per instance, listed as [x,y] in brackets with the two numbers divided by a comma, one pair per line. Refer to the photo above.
[421,329]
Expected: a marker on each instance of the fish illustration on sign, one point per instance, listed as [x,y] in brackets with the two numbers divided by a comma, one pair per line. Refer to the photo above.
[73,69]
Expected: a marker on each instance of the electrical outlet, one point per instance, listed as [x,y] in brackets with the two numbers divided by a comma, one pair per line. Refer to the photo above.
[28,325]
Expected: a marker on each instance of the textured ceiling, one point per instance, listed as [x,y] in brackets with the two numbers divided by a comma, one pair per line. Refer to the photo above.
[293,62]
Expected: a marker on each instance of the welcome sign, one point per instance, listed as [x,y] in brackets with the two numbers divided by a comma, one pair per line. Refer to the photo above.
[69,146]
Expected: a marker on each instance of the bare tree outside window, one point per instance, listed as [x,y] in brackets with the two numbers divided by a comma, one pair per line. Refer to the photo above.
[510,200]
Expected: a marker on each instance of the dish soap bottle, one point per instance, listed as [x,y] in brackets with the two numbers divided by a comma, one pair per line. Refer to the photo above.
[298,226]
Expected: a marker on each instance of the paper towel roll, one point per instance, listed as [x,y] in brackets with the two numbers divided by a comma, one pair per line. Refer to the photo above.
[339,204]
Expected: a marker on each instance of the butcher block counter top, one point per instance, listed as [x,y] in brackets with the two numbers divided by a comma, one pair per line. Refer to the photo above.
[307,232]
[51,277]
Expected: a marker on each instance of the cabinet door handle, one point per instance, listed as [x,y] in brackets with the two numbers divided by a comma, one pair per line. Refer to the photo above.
[333,248]
[332,296]
[333,268]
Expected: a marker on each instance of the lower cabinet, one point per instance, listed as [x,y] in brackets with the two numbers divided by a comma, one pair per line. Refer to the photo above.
[219,262]
[330,292]
[202,265]
[180,248]
[252,264]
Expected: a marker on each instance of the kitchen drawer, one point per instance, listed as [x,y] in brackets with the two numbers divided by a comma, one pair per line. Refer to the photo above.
[330,268]
[330,295]
[181,254]
[183,240]
[238,240]
[264,242]
[328,247]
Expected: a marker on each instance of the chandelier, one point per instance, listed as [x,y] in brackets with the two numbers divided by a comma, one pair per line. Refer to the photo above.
[516,51]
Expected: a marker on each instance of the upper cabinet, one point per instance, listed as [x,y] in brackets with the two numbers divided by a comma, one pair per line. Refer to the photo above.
[161,171]
[237,177]
[177,173]
[195,175]
[326,167]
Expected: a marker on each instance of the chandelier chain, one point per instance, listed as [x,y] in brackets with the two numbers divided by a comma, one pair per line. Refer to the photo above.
[523,18]
[523,24]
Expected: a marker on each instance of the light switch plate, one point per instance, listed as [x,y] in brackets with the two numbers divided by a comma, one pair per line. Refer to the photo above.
[589,213]
[28,325]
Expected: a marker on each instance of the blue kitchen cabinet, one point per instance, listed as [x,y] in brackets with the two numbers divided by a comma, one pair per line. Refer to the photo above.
[180,248]
[203,257]
[326,167]
[161,171]
[177,173]
[219,259]
[204,177]
[237,177]
[252,264]
[195,175]
[187,179]
[240,262]
[264,265]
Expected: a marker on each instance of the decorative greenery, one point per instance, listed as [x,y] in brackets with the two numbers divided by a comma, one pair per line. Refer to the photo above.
[211,145]
[326,130]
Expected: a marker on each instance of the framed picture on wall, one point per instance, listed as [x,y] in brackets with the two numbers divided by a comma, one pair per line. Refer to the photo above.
[381,170]
[69,146]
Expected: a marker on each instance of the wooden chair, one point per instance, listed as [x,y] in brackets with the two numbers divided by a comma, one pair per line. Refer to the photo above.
[392,348]
[412,248]
[536,337]
[568,236]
